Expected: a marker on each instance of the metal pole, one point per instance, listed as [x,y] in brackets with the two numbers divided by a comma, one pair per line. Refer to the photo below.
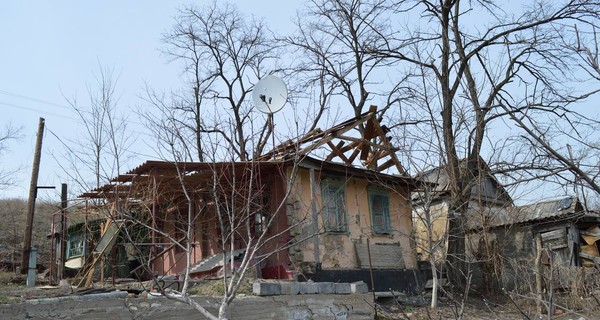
[32,270]
[32,195]
[53,252]
[371,272]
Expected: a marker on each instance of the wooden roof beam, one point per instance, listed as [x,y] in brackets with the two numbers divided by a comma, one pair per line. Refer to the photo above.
[337,152]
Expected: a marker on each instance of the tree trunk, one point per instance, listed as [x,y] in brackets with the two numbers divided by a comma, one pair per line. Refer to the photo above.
[456,262]
[223,310]
[434,280]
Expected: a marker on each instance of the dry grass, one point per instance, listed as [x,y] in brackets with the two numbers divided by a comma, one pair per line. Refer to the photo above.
[216,287]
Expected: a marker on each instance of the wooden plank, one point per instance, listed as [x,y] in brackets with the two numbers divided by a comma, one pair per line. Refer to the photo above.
[554,234]
[584,255]
[107,240]
[328,135]
[386,165]
[364,151]
[370,126]
[336,151]
[354,154]
[557,246]
[351,145]
[386,143]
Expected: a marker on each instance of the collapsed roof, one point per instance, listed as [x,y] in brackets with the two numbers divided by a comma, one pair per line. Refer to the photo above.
[359,143]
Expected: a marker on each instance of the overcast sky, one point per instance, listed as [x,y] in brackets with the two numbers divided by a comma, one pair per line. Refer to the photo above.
[51,49]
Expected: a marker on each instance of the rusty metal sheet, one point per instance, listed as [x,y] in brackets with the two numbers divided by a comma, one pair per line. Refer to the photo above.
[588,254]
[591,235]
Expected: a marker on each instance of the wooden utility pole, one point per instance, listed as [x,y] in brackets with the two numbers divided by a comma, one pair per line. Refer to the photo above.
[63,230]
[32,195]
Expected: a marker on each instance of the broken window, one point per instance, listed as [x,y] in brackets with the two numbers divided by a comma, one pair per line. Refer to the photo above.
[334,202]
[379,204]
[75,245]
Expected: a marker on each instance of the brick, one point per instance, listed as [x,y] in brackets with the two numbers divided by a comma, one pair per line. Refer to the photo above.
[342,288]
[359,287]
[325,287]
[309,288]
[290,288]
[266,288]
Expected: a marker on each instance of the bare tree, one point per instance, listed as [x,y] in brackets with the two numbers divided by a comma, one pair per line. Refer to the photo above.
[333,38]
[102,150]
[569,148]
[9,134]
[513,66]
[227,207]
[223,54]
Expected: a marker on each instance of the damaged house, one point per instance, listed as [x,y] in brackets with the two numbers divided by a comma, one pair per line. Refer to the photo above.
[500,238]
[431,207]
[566,233]
[320,207]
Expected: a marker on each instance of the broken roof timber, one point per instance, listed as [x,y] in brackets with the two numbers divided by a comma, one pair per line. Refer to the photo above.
[349,171]
[164,175]
[372,145]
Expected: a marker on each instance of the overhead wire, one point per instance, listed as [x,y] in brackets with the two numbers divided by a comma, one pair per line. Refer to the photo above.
[78,120]
[33,99]
[66,117]
[36,110]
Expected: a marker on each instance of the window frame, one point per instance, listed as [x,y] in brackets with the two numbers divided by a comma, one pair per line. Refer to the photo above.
[341,215]
[386,227]
[75,245]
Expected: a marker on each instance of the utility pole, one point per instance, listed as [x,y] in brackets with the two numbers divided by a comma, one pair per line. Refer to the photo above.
[32,195]
[63,230]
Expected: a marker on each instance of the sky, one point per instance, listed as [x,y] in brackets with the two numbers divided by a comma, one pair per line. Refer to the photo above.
[50,51]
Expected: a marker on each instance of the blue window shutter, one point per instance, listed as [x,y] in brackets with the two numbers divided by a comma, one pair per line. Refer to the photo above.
[379,204]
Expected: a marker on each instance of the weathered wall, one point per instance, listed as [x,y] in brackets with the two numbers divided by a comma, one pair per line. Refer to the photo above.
[174,261]
[337,250]
[278,232]
[207,238]
[354,306]
[506,261]
[477,216]
[438,220]
[508,258]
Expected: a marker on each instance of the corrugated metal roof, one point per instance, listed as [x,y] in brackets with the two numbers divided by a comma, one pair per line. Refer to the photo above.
[555,209]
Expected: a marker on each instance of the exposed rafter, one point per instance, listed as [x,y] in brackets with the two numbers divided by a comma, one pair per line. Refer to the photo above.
[371,143]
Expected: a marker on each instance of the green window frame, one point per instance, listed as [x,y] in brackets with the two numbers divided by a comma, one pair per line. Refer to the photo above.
[379,205]
[333,194]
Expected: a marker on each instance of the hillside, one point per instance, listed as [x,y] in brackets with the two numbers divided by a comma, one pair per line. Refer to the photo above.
[13,215]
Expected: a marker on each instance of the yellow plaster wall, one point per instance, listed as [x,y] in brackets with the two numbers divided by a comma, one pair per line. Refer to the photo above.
[337,249]
[438,218]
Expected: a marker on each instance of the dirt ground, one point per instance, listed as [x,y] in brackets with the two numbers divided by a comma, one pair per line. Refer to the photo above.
[478,307]
[13,291]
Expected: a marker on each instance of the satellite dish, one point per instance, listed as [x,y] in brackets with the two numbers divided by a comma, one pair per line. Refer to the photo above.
[270,94]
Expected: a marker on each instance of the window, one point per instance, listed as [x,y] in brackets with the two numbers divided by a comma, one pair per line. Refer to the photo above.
[379,204]
[334,206]
[75,245]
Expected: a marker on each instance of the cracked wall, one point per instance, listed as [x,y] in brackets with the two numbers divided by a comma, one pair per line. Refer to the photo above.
[337,250]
